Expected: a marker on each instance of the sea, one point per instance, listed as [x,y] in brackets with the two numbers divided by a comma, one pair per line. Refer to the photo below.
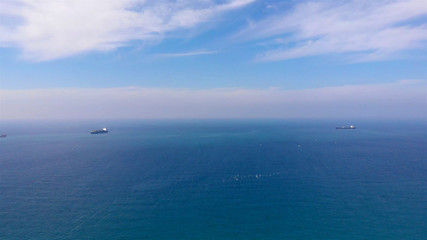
[213,179]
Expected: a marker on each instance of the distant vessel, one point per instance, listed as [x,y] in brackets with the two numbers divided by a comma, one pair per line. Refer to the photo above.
[104,130]
[346,127]
[3,135]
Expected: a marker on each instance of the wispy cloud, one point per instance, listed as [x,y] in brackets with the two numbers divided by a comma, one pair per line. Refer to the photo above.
[404,99]
[186,54]
[367,30]
[51,29]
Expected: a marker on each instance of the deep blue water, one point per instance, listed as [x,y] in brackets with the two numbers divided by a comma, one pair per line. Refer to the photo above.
[252,179]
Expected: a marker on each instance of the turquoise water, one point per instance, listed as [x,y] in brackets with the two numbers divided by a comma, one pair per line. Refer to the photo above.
[220,179]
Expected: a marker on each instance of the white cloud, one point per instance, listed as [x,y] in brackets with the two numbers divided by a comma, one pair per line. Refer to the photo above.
[404,99]
[371,30]
[186,54]
[51,29]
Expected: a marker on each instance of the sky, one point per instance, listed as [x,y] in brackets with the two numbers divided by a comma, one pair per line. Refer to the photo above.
[138,59]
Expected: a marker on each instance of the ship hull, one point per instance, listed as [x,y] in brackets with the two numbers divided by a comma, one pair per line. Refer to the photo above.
[98,132]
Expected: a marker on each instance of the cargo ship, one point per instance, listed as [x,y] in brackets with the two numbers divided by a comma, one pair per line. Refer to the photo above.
[3,135]
[346,127]
[104,130]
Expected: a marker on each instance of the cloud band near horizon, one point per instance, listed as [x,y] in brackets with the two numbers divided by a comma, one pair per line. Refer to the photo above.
[403,99]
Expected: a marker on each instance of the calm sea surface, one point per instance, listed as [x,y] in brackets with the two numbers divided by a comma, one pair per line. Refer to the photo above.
[296,180]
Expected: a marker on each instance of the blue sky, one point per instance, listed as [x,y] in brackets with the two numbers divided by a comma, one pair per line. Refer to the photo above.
[213,58]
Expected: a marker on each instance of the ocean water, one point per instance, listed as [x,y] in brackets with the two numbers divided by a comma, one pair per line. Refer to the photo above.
[222,179]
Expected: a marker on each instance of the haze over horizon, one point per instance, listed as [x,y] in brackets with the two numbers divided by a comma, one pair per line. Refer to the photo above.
[140,59]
